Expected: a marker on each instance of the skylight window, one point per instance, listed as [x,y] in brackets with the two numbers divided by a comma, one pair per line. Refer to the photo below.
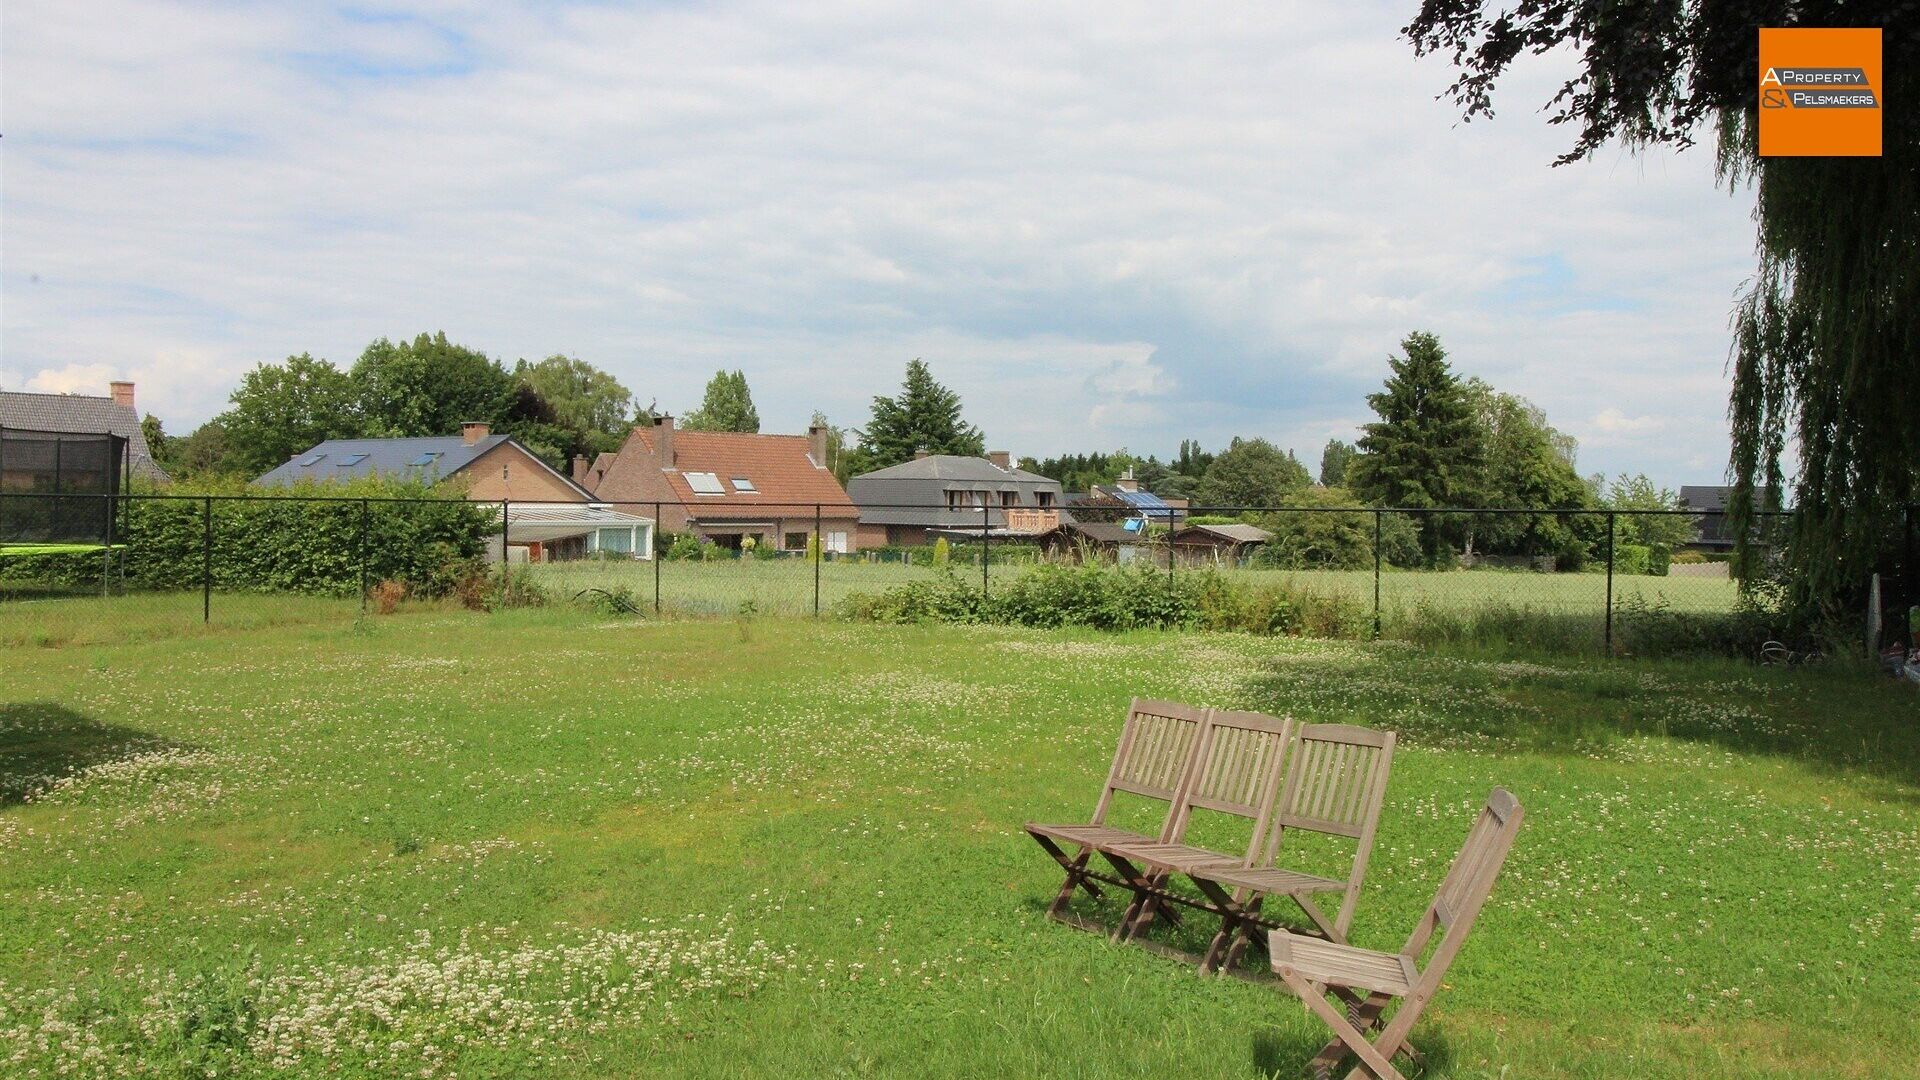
[427,458]
[350,461]
[705,483]
[741,483]
[311,460]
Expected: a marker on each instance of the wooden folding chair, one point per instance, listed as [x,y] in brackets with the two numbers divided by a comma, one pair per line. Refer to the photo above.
[1240,765]
[1367,981]
[1159,745]
[1336,782]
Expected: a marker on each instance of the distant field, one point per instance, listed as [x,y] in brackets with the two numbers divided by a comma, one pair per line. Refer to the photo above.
[786,585]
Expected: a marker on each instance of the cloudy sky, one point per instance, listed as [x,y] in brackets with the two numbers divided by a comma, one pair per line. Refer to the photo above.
[1106,224]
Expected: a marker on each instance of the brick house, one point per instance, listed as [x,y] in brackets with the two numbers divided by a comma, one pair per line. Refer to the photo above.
[549,516]
[727,486]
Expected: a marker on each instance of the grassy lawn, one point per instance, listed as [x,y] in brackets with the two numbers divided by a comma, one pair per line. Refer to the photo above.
[541,843]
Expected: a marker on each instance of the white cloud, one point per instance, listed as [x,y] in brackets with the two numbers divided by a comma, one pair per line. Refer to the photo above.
[1102,223]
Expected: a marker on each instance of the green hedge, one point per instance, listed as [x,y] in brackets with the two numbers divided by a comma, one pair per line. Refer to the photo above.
[285,544]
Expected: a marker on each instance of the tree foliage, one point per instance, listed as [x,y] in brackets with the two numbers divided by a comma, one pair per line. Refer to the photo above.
[1334,461]
[1663,532]
[278,410]
[727,406]
[427,386]
[590,404]
[1426,450]
[1825,335]
[925,416]
[1251,472]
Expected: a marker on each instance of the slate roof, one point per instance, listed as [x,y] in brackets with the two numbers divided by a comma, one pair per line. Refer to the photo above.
[351,459]
[953,467]
[80,414]
[780,467]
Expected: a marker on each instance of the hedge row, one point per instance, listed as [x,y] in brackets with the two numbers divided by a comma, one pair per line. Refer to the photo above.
[285,544]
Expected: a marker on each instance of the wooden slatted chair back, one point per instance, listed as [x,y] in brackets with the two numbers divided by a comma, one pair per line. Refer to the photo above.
[1335,784]
[1469,880]
[1240,764]
[1158,749]
[1455,907]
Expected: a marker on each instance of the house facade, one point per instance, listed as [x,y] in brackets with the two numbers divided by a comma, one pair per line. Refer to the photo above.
[730,487]
[84,414]
[1713,529]
[549,516]
[935,495]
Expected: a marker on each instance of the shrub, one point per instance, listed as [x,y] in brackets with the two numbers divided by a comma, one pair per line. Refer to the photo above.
[942,551]
[1631,558]
[327,543]
[387,595]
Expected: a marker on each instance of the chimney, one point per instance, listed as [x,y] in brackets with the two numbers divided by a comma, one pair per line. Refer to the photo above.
[663,440]
[1002,459]
[817,436]
[474,430]
[579,468]
[923,452]
[122,393]
[1127,482]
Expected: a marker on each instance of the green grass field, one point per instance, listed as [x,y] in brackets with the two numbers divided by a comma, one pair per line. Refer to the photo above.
[545,843]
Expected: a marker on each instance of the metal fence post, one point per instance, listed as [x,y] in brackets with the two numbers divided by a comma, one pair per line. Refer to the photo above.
[1610,521]
[1377,516]
[506,568]
[658,557]
[986,517]
[1169,550]
[106,554]
[819,556]
[364,538]
[206,565]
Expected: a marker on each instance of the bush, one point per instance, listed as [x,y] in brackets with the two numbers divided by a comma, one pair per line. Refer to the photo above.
[386,596]
[317,539]
[1631,558]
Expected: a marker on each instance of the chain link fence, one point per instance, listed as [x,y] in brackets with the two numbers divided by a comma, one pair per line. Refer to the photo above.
[167,563]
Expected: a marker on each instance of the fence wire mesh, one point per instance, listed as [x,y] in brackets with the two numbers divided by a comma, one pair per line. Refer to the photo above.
[163,564]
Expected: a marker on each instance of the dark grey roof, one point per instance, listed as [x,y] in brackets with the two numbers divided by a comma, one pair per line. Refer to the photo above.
[81,414]
[382,457]
[953,467]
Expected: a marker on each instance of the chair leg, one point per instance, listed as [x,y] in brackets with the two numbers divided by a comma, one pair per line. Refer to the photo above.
[1076,868]
[1249,934]
[1143,903]
[1372,1062]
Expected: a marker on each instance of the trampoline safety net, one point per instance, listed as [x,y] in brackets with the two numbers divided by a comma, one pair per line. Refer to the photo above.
[50,483]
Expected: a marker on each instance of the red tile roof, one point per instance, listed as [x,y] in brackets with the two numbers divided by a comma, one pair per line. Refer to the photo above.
[780,467]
